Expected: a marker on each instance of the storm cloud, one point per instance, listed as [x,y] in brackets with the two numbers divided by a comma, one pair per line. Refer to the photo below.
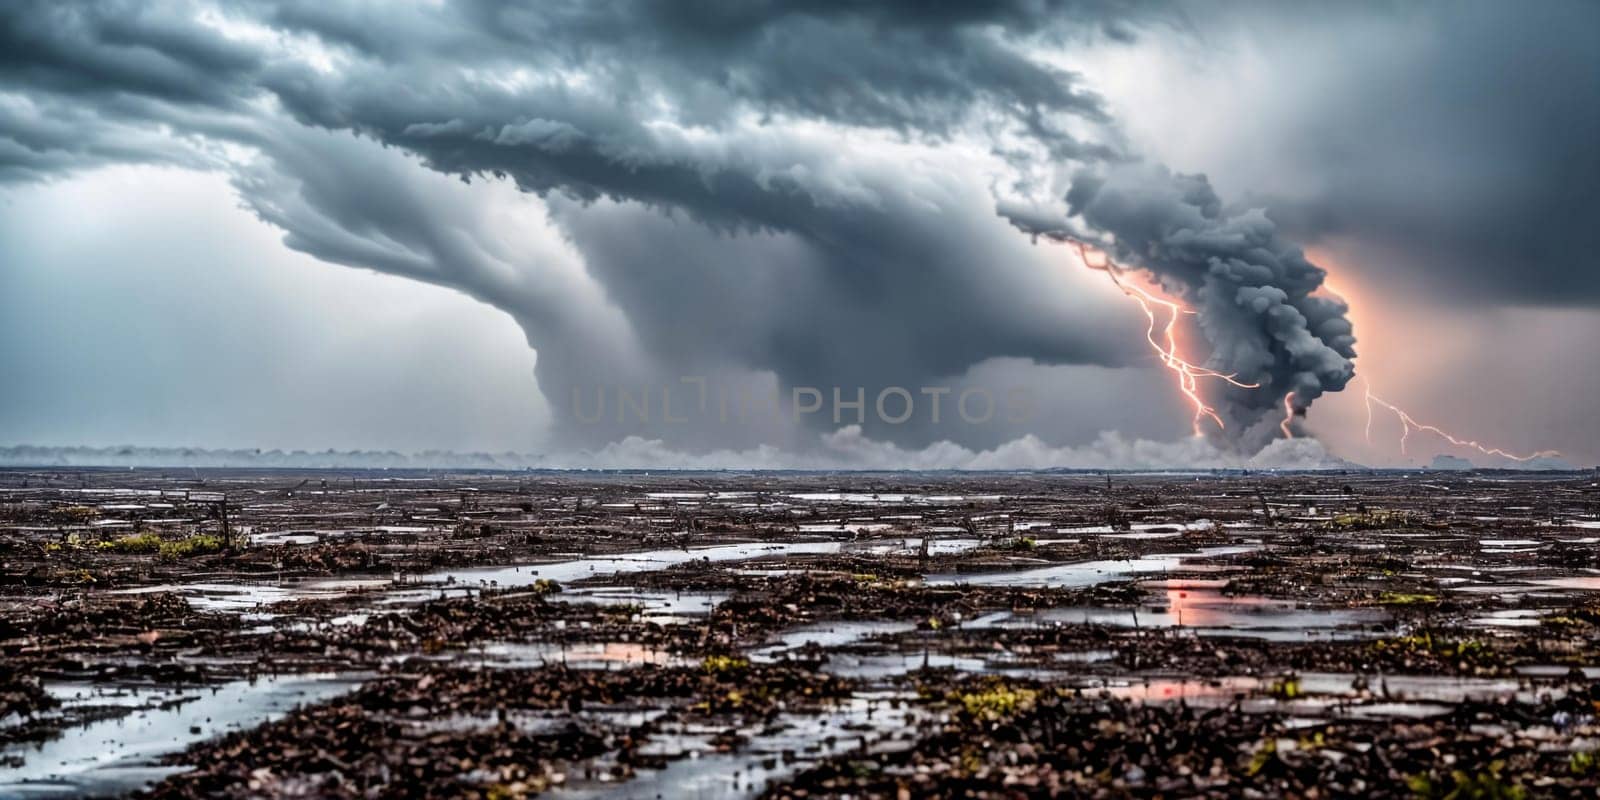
[1449,147]
[690,153]
[764,195]
[1251,290]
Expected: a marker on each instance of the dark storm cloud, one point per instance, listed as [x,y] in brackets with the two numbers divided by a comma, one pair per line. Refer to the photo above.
[108,48]
[782,251]
[918,67]
[86,84]
[1250,287]
[911,288]
[879,284]
[897,67]
[785,189]
[1457,139]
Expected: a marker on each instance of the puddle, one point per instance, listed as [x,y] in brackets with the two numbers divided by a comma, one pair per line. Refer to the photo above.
[1394,695]
[245,596]
[240,597]
[1556,671]
[660,607]
[1510,618]
[707,495]
[647,561]
[1425,688]
[827,635]
[913,545]
[116,756]
[1087,573]
[1209,613]
[305,626]
[868,499]
[301,536]
[1390,710]
[1174,689]
[1585,583]
[877,721]
[883,666]
[845,527]
[284,537]
[836,639]
[578,655]
[1142,530]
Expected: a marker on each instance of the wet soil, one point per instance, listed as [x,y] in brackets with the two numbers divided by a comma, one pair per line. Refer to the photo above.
[396,634]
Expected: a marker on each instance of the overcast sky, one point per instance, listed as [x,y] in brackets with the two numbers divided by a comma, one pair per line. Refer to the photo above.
[458,226]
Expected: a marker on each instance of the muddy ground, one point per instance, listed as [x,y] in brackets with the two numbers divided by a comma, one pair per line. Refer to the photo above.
[412,634]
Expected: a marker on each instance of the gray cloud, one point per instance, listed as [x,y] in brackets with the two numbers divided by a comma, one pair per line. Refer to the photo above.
[912,291]
[1251,289]
[1456,139]
[791,193]
[916,67]
[735,238]
[101,50]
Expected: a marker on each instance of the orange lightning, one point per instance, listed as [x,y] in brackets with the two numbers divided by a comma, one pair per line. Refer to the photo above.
[1409,423]
[1189,374]
[1288,416]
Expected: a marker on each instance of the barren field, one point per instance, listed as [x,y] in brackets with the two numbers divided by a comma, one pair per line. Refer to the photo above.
[723,635]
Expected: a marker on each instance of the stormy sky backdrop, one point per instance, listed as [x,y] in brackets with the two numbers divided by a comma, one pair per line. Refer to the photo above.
[412,226]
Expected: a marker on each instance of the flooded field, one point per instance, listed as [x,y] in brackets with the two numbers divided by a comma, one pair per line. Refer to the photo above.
[726,635]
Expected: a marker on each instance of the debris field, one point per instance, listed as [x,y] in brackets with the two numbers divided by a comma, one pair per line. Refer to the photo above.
[207,633]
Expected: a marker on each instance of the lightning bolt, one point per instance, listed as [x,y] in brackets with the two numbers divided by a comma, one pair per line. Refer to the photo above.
[1368,387]
[1409,423]
[1189,374]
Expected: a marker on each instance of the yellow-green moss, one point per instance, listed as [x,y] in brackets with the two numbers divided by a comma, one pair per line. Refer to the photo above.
[718,664]
[197,545]
[1285,688]
[133,543]
[996,700]
[1485,784]
[1371,519]
[1407,599]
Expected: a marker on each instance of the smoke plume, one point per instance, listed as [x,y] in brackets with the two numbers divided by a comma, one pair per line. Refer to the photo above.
[1251,289]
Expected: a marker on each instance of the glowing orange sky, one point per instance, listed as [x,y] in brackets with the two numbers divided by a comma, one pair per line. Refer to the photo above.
[1424,359]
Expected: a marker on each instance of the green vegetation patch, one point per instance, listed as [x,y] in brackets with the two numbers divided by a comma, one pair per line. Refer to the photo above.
[995,700]
[718,664]
[1486,784]
[133,544]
